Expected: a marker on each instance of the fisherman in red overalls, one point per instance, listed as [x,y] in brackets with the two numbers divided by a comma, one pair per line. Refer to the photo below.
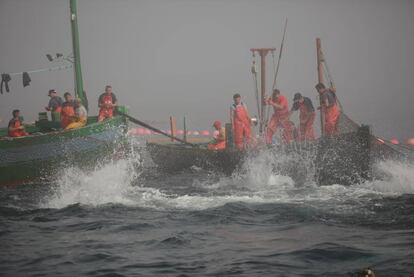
[306,116]
[16,128]
[67,114]
[219,139]
[241,121]
[330,109]
[107,102]
[280,117]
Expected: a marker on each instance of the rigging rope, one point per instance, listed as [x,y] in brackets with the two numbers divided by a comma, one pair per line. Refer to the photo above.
[43,70]
[276,70]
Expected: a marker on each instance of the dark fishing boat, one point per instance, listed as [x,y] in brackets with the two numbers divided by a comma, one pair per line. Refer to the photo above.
[344,159]
[48,149]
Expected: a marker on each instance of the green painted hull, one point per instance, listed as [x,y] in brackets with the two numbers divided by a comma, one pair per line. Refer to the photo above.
[43,155]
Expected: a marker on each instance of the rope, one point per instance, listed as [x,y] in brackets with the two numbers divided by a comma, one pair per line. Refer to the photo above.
[276,69]
[43,70]
[328,76]
[280,53]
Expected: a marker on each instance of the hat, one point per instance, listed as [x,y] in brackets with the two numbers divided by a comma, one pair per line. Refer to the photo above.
[217,124]
[51,91]
[297,96]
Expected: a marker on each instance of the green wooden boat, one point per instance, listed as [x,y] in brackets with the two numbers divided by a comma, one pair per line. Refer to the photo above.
[49,149]
[44,153]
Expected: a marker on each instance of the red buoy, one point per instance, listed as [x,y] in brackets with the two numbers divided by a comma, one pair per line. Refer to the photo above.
[394,141]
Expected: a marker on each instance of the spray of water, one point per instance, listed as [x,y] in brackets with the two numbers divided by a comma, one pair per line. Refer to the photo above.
[120,182]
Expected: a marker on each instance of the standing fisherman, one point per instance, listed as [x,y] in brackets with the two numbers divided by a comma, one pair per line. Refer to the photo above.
[330,108]
[107,102]
[241,121]
[306,116]
[280,117]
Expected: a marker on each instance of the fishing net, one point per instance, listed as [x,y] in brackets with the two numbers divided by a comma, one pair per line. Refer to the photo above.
[346,124]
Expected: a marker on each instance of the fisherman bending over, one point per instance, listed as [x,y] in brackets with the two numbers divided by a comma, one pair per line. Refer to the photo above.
[241,121]
[306,116]
[16,128]
[280,117]
[107,102]
[219,142]
[330,109]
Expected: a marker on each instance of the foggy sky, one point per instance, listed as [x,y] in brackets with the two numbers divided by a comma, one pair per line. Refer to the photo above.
[182,57]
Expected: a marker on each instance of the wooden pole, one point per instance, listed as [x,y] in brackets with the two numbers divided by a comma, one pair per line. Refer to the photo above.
[185,130]
[263,53]
[320,80]
[173,126]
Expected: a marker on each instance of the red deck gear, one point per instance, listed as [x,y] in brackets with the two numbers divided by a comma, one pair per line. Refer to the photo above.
[67,114]
[306,118]
[241,126]
[280,119]
[15,123]
[331,120]
[104,112]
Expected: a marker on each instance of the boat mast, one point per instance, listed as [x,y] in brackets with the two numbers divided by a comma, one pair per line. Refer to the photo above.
[263,53]
[320,80]
[79,92]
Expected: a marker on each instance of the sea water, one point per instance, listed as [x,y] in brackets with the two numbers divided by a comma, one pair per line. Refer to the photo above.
[128,219]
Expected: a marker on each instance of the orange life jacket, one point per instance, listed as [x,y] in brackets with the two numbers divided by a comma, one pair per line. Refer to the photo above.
[281,100]
[66,114]
[106,99]
[15,123]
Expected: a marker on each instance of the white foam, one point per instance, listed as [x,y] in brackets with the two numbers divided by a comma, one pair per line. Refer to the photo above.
[396,178]
[118,183]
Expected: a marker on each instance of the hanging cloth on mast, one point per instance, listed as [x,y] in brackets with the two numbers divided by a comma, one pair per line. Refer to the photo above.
[5,79]
[26,79]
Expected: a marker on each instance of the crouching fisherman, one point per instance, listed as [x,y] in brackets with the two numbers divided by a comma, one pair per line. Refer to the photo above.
[81,116]
[219,142]
[16,128]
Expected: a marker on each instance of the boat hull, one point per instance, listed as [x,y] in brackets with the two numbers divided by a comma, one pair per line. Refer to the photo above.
[42,156]
[345,159]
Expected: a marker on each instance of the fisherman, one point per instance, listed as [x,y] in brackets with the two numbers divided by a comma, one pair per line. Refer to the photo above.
[306,116]
[280,117]
[16,128]
[55,104]
[81,116]
[241,121]
[330,109]
[107,102]
[67,114]
[219,142]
